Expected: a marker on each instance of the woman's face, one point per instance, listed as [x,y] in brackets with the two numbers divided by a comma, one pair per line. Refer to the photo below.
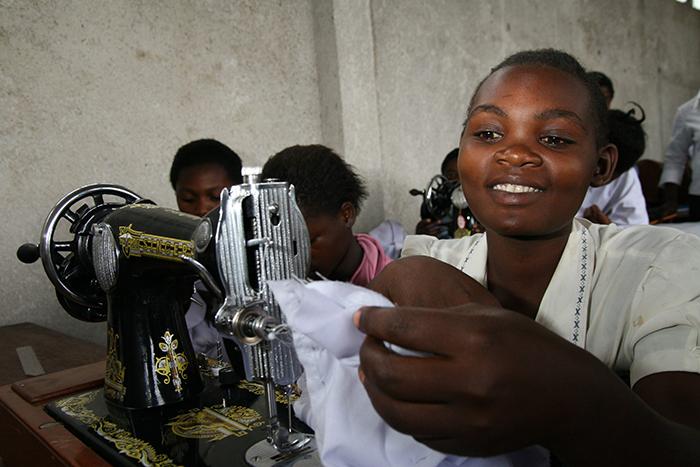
[528,153]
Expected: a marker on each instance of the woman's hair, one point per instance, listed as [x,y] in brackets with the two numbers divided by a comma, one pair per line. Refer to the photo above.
[627,134]
[206,151]
[567,63]
[322,180]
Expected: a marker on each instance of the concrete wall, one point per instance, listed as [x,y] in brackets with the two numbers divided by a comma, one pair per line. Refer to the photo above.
[431,55]
[107,91]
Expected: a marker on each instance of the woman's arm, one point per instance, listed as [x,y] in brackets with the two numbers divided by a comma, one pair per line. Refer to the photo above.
[497,381]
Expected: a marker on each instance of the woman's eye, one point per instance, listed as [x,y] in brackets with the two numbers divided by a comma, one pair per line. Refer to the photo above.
[489,136]
[555,141]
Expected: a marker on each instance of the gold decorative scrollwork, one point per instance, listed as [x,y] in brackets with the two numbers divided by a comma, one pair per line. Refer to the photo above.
[125,442]
[216,423]
[76,407]
[259,390]
[114,371]
[136,243]
[173,365]
[130,446]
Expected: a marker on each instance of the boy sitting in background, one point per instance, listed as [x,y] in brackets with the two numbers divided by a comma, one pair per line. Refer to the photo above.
[200,170]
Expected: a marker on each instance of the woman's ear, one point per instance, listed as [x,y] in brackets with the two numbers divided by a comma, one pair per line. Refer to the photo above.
[348,214]
[605,167]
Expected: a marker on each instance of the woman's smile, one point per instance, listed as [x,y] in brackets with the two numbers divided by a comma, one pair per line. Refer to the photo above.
[511,188]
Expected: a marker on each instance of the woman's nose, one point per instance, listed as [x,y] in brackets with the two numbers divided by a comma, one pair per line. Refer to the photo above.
[519,155]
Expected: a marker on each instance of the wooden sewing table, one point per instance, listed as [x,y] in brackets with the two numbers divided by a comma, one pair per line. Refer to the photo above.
[28,435]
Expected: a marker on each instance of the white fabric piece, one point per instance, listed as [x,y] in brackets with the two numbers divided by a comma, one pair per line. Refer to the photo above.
[643,296]
[331,305]
[349,432]
[684,144]
[622,200]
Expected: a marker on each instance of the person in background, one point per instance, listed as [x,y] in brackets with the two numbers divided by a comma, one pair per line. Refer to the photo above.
[605,84]
[200,170]
[459,221]
[329,194]
[391,234]
[684,148]
[439,228]
[621,201]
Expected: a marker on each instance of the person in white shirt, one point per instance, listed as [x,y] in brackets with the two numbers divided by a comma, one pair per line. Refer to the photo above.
[684,147]
[576,301]
[621,201]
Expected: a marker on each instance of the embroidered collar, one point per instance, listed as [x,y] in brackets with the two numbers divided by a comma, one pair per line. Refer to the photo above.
[564,306]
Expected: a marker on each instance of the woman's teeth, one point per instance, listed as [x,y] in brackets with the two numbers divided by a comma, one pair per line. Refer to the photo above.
[510,188]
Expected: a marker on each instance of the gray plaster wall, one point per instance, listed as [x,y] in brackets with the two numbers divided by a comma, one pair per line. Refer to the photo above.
[106,91]
[431,55]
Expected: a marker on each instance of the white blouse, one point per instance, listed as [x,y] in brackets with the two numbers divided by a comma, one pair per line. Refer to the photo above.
[629,296]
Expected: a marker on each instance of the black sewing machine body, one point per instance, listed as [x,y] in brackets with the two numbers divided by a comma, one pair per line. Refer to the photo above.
[150,360]
[134,264]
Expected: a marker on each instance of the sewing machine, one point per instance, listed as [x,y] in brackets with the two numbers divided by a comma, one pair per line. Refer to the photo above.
[133,264]
[444,201]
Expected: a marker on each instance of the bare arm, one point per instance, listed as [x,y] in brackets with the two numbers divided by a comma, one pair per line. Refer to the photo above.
[499,381]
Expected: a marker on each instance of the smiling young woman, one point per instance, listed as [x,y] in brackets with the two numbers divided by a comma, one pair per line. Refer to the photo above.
[576,300]
[529,153]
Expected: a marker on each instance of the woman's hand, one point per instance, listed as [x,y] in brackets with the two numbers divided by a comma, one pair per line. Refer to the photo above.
[594,214]
[497,381]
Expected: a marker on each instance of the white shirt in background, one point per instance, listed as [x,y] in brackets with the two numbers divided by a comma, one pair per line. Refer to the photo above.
[685,143]
[622,200]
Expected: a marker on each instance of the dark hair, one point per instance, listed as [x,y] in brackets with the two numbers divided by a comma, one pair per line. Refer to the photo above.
[206,151]
[564,62]
[452,155]
[322,180]
[602,81]
[627,134]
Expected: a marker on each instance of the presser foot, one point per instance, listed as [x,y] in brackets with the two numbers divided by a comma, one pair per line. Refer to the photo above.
[300,451]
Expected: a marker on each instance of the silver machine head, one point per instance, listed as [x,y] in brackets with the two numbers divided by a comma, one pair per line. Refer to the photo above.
[261,237]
